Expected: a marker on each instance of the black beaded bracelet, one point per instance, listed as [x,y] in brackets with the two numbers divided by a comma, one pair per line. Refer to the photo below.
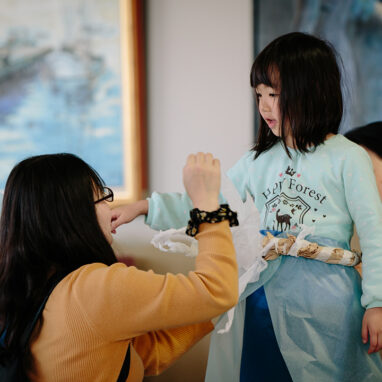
[198,217]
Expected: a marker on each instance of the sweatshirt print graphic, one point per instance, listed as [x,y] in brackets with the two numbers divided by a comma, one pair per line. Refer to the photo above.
[288,201]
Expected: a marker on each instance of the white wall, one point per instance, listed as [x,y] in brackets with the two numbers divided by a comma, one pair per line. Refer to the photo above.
[199,56]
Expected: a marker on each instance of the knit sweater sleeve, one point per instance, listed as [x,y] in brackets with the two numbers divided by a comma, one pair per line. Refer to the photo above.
[365,208]
[160,348]
[122,302]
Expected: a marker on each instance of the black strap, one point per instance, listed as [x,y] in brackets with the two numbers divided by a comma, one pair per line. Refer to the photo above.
[125,367]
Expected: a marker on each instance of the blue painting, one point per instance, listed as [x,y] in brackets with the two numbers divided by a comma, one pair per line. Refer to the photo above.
[60,83]
[353,27]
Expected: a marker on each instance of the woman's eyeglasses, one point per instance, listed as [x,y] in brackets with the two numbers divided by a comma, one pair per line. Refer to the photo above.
[108,195]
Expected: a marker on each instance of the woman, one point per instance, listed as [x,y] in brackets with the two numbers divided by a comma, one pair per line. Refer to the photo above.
[56,222]
[370,138]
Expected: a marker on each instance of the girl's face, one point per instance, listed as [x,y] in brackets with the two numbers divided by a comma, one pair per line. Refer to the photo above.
[268,103]
[377,165]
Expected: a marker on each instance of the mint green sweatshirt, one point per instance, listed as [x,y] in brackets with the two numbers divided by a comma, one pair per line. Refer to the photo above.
[330,188]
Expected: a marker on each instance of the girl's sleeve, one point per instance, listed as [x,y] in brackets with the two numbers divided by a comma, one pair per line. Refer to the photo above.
[365,207]
[239,174]
[159,349]
[172,210]
[168,210]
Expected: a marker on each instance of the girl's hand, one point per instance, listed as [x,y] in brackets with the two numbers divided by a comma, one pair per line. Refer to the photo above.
[201,178]
[372,324]
[127,213]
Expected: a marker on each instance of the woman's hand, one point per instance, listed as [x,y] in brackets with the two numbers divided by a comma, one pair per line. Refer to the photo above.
[127,213]
[372,325]
[201,178]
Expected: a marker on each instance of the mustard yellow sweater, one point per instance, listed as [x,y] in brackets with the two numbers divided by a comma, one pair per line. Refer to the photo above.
[95,312]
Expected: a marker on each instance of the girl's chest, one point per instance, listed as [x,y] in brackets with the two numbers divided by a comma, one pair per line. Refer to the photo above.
[291,193]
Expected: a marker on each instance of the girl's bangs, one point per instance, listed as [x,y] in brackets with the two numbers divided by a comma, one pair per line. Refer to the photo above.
[265,73]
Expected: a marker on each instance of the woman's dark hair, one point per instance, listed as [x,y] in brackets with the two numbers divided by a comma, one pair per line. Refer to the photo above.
[48,227]
[369,136]
[304,69]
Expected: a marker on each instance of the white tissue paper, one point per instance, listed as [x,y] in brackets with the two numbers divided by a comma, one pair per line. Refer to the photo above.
[300,242]
[246,238]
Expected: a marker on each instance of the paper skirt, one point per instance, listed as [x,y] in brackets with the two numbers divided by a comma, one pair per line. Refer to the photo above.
[317,318]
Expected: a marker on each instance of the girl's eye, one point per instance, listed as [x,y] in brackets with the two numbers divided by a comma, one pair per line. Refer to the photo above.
[273,95]
[258,95]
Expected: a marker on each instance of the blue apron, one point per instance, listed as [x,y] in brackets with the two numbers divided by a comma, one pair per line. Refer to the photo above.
[316,315]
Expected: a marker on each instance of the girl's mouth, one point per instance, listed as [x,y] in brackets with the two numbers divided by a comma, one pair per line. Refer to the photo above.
[271,122]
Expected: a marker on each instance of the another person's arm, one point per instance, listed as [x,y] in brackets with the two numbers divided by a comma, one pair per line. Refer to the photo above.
[366,210]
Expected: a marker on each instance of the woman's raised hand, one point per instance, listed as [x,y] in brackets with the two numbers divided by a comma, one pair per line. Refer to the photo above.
[201,178]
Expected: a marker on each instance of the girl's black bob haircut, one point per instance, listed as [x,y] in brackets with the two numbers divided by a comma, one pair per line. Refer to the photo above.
[369,136]
[305,72]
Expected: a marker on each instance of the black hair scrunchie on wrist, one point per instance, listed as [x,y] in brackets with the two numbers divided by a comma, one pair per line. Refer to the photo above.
[198,217]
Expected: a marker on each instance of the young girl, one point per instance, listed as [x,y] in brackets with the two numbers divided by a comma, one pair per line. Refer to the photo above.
[304,320]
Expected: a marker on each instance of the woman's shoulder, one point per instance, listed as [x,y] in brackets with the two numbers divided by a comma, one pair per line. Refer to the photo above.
[94,268]
[92,276]
[95,282]
[93,296]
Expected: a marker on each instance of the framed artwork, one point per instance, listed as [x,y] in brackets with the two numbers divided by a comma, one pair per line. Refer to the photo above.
[72,80]
[353,27]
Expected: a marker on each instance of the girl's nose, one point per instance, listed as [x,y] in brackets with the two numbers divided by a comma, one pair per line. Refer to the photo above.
[264,105]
